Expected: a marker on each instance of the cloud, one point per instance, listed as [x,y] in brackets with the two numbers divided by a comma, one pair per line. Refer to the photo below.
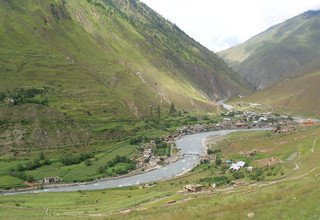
[222,24]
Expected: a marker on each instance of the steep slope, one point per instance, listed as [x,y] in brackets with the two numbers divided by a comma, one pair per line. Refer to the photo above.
[81,64]
[283,51]
[104,58]
[299,94]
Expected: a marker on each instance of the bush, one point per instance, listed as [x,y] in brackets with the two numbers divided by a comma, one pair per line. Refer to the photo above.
[193,118]
[68,159]
[102,169]
[2,96]
[30,178]
[157,141]
[27,95]
[119,165]
[32,165]
[20,167]
[218,180]
[218,161]
[211,151]
[257,175]
[136,140]
[88,162]
[221,180]
[238,175]
[46,161]
[162,149]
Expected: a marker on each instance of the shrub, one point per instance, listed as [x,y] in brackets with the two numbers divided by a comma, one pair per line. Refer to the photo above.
[119,165]
[218,180]
[2,96]
[257,175]
[102,169]
[136,140]
[218,161]
[88,162]
[193,119]
[27,95]
[211,151]
[221,180]
[238,175]
[20,167]
[75,159]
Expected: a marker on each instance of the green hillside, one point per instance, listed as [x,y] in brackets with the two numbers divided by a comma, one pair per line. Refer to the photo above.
[80,78]
[285,50]
[97,56]
[101,61]
[299,94]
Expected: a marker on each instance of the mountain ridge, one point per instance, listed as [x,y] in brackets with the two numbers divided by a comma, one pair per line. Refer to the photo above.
[282,51]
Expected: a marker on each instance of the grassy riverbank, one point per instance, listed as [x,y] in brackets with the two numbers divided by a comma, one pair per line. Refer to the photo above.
[82,163]
[291,195]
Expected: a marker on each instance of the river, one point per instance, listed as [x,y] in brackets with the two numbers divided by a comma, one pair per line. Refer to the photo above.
[190,146]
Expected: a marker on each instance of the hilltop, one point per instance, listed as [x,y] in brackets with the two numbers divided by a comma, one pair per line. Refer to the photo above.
[283,51]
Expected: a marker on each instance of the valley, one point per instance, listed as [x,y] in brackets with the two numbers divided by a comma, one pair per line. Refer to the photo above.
[293,175]
[108,110]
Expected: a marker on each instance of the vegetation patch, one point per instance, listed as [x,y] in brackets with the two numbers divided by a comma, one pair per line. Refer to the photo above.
[161,148]
[69,159]
[118,166]
[19,96]
[9,182]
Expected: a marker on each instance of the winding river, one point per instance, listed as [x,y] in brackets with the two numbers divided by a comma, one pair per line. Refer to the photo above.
[190,146]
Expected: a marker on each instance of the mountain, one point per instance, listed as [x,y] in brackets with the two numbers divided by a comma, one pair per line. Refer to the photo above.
[284,50]
[84,63]
[299,94]
[102,55]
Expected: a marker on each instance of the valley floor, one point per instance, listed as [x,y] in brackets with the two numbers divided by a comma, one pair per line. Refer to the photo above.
[288,190]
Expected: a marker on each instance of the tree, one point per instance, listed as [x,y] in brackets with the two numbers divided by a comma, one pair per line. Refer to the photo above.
[41,156]
[2,96]
[173,110]
[159,112]
[218,161]
[88,162]
[20,167]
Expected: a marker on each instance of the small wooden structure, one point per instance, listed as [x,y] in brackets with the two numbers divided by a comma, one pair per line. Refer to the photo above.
[193,188]
[308,123]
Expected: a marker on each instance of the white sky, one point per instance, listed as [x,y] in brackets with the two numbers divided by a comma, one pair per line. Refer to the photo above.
[220,24]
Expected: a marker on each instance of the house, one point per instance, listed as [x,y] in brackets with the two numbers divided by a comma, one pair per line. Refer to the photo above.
[235,167]
[241,164]
[250,169]
[49,180]
[193,188]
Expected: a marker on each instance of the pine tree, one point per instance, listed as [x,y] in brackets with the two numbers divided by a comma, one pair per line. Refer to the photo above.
[41,156]
[173,110]
[159,112]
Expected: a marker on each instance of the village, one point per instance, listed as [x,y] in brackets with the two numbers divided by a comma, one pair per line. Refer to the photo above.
[232,120]
[149,159]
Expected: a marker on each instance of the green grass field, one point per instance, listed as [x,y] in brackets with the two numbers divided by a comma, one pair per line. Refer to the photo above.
[112,139]
[293,195]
